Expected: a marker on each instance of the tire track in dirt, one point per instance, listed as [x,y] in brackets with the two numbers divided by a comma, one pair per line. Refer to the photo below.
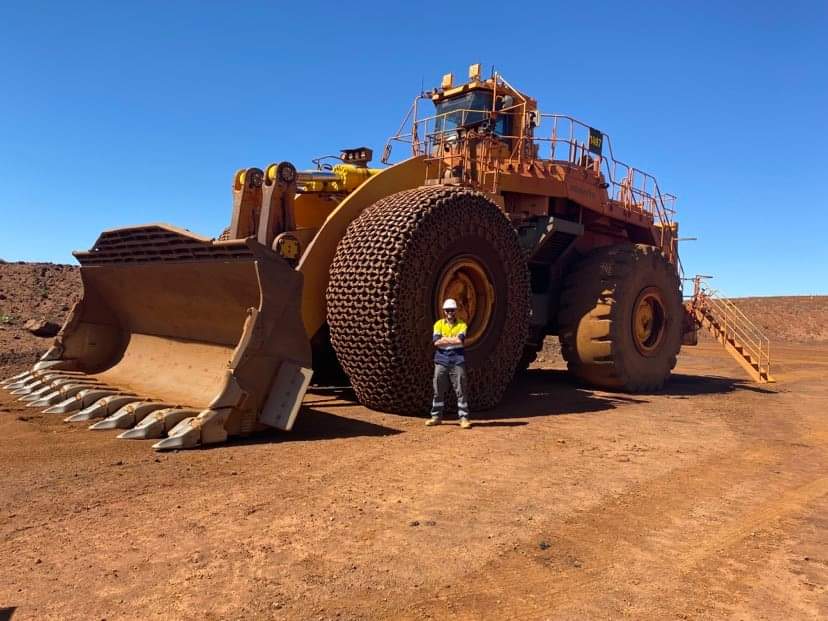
[529,585]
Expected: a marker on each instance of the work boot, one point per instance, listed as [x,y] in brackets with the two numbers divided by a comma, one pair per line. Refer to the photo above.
[465,423]
[434,420]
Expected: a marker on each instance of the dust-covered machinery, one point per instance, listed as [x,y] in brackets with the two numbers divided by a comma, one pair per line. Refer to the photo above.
[527,219]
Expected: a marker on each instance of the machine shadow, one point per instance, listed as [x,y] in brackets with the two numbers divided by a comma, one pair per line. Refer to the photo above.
[552,392]
[6,613]
[533,393]
[549,392]
[683,385]
[313,424]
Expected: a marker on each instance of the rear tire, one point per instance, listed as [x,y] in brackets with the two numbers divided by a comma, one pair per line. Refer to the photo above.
[620,318]
[392,267]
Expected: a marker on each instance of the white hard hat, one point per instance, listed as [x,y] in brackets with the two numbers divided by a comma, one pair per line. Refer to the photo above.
[449,303]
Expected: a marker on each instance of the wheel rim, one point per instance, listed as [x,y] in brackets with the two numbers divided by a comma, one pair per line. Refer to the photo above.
[465,280]
[649,321]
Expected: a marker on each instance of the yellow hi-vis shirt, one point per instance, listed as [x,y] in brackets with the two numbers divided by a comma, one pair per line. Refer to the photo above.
[449,355]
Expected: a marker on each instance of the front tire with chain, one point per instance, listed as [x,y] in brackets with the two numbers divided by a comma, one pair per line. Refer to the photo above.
[385,283]
[620,318]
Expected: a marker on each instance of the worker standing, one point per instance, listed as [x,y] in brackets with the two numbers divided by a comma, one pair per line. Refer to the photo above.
[449,365]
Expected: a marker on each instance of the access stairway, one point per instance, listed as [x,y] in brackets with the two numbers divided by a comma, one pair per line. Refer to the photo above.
[740,337]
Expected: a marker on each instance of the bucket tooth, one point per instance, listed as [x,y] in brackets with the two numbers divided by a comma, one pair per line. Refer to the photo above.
[43,397]
[67,405]
[102,407]
[183,436]
[42,388]
[60,394]
[56,396]
[158,423]
[16,379]
[50,384]
[129,415]
[33,392]
[40,378]
[206,428]
[25,388]
[46,400]
[39,386]
[82,397]
[11,388]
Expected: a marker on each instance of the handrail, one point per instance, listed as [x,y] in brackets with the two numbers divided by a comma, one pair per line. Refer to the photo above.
[737,312]
[616,162]
[734,324]
[637,188]
[748,330]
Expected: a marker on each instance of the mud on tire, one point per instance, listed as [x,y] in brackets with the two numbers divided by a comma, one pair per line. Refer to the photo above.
[600,304]
[383,287]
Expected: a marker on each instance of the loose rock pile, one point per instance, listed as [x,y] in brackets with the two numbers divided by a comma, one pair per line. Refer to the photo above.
[34,301]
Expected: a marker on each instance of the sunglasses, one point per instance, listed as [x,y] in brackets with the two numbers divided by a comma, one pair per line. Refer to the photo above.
[450,310]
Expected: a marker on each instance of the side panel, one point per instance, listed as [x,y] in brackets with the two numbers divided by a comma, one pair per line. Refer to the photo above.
[312,209]
[316,261]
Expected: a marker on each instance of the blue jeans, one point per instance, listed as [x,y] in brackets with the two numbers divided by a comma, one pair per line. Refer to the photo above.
[453,376]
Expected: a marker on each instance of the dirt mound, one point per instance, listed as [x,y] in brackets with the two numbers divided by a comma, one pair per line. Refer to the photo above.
[32,291]
[800,319]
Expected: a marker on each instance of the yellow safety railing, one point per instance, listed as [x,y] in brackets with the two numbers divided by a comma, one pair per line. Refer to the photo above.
[735,326]
[552,135]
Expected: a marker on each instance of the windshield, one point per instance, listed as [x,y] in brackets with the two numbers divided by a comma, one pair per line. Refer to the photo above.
[466,111]
[463,111]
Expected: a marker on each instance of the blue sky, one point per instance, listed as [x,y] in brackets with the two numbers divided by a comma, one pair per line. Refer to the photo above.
[123,113]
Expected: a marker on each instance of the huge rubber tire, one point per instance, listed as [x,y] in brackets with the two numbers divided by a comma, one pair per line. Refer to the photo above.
[607,298]
[382,296]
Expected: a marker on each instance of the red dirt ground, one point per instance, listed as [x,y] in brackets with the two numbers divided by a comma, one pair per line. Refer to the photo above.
[708,500]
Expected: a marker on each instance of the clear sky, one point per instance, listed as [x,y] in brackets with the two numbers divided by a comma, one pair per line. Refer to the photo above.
[116,113]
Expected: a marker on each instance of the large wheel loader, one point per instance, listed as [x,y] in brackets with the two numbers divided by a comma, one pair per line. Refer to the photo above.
[526,219]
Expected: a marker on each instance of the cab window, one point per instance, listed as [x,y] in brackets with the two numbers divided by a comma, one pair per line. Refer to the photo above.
[463,111]
[468,110]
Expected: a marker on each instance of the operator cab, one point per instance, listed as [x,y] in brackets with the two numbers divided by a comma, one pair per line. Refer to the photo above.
[468,110]
[479,107]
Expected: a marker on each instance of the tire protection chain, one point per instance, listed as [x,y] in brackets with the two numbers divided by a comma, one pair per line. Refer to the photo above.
[383,262]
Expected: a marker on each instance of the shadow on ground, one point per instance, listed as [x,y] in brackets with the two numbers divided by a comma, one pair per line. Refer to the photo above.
[550,392]
[533,393]
[313,424]
[553,392]
[681,385]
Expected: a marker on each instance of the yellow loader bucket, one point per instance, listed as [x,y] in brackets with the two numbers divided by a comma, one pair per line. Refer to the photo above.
[177,335]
